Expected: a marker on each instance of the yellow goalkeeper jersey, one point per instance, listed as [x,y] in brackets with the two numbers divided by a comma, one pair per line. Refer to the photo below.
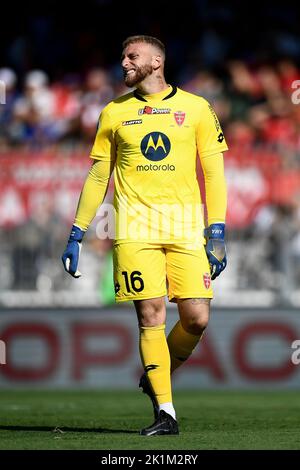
[154,141]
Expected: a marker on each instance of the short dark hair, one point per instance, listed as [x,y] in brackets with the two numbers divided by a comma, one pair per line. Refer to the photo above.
[146,39]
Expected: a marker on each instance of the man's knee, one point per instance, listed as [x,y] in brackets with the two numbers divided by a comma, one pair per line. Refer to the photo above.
[195,325]
[151,312]
[194,315]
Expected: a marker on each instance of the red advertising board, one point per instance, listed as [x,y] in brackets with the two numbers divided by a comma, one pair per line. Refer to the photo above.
[52,181]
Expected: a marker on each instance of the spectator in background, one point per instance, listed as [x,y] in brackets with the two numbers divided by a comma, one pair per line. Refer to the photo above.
[97,93]
[9,78]
[67,108]
[243,89]
[34,111]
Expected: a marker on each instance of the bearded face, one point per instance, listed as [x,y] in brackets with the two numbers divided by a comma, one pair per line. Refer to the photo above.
[136,74]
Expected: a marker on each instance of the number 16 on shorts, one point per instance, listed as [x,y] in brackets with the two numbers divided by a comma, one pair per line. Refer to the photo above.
[128,285]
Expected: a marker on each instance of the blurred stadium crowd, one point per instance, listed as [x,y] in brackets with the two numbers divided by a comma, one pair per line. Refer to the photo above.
[48,112]
[254,105]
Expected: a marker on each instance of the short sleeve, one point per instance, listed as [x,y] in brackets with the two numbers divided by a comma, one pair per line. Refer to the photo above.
[209,135]
[104,147]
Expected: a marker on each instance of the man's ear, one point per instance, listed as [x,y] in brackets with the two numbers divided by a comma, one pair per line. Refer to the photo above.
[156,61]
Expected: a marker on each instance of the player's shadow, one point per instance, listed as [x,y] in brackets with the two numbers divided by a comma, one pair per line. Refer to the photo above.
[65,429]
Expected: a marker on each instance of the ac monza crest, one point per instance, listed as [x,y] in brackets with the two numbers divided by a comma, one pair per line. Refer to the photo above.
[179,117]
[206,280]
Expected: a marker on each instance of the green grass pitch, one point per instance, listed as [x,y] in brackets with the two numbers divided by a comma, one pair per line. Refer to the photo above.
[111,420]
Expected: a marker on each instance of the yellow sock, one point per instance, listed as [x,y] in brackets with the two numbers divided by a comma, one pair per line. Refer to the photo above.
[181,345]
[155,357]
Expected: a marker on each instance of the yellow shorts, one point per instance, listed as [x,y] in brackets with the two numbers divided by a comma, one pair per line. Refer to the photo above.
[148,270]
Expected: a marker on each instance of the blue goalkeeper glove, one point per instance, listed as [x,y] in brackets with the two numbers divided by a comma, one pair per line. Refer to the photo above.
[70,257]
[215,248]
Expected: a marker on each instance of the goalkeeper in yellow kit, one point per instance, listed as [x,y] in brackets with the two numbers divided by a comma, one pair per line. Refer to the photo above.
[151,137]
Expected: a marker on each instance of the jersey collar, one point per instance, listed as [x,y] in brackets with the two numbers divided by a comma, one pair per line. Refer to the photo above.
[142,98]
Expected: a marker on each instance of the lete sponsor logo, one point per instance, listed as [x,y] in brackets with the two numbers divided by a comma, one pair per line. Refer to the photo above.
[132,122]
